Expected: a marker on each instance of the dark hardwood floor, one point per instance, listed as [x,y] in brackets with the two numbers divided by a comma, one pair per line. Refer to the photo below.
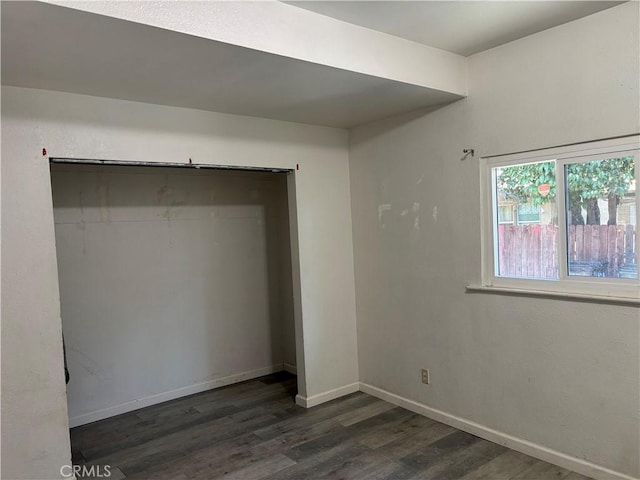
[253,430]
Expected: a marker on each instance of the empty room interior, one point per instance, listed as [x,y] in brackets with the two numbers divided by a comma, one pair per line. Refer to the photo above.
[320,239]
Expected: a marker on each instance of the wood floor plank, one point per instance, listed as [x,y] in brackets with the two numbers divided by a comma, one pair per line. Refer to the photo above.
[254,430]
[172,447]
[317,465]
[540,470]
[201,463]
[367,462]
[407,428]
[329,430]
[278,377]
[114,474]
[259,451]
[438,450]
[196,443]
[459,462]
[351,432]
[301,435]
[305,417]
[251,401]
[260,469]
[111,430]
[254,450]
[265,392]
[280,407]
[152,430]
[576,476]
[93,433]
[218,396]
[386,471]
[354,416]
[409,444]
[175,441]
[503,467]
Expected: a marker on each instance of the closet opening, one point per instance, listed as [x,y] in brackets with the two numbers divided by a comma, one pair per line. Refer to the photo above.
[174,280]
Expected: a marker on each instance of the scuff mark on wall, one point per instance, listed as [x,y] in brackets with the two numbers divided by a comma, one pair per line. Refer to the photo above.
[420,179]
[384,189]
[103,192]
[82,226]
[404,213]
[176,208]
[416,223]
[83,360]
[163,193]
[416,207]
[385,207]
[81,205]
[435,214]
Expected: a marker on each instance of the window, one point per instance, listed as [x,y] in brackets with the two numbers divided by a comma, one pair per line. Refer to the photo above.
[528,213]
[575,227]
[505,213]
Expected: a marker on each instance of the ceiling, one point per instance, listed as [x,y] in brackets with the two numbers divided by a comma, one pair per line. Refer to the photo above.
[50,47]
[462,27]
[54,47]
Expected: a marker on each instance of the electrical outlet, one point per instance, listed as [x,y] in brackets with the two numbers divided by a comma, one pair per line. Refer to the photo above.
[425,375]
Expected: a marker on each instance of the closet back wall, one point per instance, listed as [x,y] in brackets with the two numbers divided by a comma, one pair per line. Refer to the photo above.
[172,281]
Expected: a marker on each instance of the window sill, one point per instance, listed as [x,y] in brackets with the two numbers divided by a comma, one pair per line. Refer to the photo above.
[577,297]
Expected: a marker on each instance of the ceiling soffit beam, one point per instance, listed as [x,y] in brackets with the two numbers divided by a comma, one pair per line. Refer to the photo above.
[281,29]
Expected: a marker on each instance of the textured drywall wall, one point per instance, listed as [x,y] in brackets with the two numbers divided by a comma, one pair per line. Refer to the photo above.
[562,374]
[170,279]
[34,417]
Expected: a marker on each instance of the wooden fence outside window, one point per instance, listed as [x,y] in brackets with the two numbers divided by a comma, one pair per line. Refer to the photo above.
[593,250]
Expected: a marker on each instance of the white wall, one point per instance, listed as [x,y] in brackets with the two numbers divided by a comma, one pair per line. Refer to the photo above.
[34,418]
[172,281]
[562,374]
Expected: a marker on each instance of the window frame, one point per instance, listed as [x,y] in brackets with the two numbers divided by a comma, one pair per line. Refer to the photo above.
[583,152]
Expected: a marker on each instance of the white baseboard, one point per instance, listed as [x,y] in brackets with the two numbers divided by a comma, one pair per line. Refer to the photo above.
[170,395]
[313,400]
[287,367]
[529,448]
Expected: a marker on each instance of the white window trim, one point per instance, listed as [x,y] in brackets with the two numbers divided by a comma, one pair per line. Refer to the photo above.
[575,286]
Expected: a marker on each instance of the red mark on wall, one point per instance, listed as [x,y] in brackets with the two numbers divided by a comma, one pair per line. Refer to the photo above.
[44,152]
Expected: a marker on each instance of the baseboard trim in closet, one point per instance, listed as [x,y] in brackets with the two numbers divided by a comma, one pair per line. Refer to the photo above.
[170,395]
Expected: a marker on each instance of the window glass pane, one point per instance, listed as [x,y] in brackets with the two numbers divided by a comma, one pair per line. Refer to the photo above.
[528,213]
[601,218]
[527,248]
[505,213]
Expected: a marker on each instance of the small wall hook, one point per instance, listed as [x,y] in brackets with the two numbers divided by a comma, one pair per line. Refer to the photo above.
[467,152]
